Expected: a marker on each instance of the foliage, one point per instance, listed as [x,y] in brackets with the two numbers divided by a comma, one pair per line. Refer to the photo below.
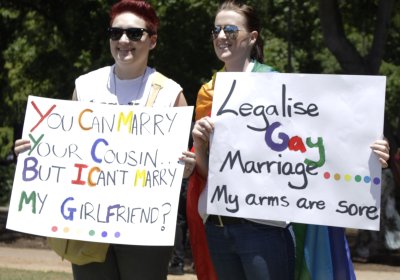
[7,166]
[6,181]
[184,43]
[46,47]
[6,137]
[392,73]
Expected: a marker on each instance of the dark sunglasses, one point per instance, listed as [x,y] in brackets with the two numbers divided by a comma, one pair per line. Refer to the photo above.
[133,33]
[231,31]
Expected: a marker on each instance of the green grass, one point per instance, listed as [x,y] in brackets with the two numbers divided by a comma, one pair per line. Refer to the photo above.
[18,274]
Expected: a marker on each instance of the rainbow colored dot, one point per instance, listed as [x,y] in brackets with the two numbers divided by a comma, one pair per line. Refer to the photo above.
[91,232]
[348,178]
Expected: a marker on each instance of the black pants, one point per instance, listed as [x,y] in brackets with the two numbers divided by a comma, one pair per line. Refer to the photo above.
[178,255]
[128,262]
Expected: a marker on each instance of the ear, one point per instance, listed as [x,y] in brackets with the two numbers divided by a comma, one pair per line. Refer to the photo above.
[153,41]
[253,37]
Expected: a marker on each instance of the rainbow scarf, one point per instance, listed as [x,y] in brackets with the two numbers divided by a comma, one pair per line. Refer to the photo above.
[321,252]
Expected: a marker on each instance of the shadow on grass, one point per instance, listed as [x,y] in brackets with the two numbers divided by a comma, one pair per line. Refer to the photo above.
[17,274]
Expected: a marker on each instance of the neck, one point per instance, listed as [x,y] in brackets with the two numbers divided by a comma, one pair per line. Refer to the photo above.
[238,66]
[127,73]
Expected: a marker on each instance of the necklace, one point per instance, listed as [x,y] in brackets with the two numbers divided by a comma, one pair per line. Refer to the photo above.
[134,99]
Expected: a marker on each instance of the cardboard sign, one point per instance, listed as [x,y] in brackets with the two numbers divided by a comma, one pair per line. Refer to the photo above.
[296,148]
[99,172]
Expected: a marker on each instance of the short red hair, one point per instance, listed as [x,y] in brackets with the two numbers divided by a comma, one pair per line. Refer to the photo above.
[140,8]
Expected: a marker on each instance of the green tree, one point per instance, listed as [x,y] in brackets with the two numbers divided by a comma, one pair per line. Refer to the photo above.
[184,49]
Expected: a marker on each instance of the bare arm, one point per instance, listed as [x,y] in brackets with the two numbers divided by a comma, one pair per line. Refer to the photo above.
[180,100]
[75,95]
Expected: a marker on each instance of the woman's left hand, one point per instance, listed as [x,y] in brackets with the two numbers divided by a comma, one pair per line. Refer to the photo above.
[190,162]
[381,149]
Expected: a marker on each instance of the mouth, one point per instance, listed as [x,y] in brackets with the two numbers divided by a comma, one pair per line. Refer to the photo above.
[125,50]
[223,45]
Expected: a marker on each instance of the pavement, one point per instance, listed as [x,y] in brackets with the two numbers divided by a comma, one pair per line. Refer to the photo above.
[47,260]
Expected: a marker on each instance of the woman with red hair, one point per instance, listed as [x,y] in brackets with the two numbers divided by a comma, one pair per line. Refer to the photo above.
[129,81]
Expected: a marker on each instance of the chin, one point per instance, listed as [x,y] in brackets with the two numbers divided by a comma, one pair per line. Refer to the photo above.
[126,59]
[224,57]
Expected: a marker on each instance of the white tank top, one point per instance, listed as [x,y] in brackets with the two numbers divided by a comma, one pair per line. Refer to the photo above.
[102,86]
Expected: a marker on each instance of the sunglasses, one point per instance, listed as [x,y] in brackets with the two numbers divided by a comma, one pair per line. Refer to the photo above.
[231,31]
[133,33]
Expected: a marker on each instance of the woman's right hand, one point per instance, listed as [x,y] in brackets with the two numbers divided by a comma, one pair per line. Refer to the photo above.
[21,145]
[201,132]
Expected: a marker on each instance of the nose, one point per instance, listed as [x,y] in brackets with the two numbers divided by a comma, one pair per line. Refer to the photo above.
[222,34]
[124,37]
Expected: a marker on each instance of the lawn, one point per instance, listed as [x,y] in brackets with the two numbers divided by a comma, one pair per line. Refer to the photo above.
[17,274]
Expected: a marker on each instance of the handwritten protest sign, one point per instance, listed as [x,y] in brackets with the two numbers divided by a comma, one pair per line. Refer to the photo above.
[296,147]
[100,172]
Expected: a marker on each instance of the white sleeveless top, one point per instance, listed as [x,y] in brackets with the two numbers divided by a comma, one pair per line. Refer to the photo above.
[103,86]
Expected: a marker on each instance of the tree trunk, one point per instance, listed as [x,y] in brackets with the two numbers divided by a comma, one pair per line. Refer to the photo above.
[346,54]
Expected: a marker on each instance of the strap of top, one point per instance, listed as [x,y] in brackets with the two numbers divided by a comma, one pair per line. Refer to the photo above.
[158,83]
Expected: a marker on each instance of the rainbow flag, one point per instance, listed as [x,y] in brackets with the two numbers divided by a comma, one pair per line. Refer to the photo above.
[322,252]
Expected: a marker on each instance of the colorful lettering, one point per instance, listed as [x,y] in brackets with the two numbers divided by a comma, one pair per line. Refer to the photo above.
[90,181]
[70,217]
[140,175]
[94,157]
[32,168]
[321,150]
[80,119]
[125,120]
[42,117]
[35,142]
[27,200]
[295,144]
[79,181]
[277,147]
